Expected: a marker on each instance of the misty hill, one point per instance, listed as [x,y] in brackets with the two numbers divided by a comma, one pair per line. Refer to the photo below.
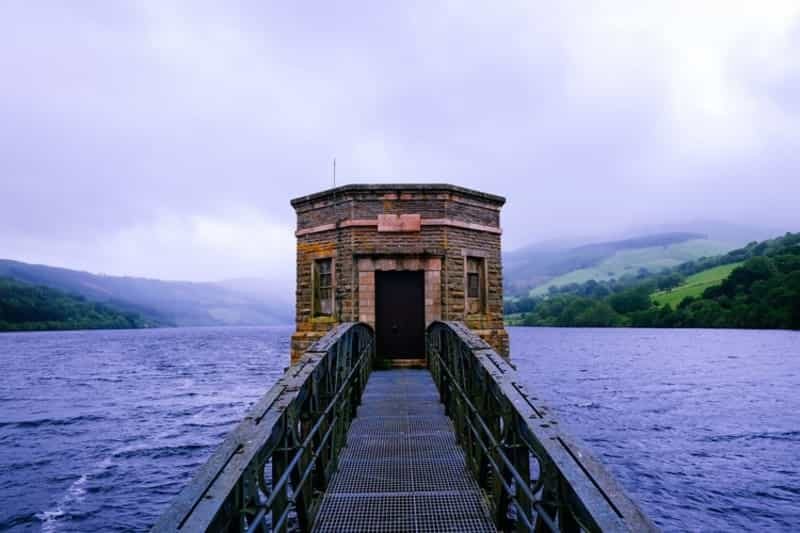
[735,233]
[25,307]
[169,303]
[535,268]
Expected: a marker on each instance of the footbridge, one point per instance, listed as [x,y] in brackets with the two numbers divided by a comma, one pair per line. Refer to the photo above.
[460,444]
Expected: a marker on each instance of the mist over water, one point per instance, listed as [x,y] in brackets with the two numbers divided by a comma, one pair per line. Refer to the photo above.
[99,430]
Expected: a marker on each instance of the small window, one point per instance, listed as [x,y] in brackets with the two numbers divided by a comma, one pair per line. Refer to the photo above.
[323,288]
[473,285]
[476,300]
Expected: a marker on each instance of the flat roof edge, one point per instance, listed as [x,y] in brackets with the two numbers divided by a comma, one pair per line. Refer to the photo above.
[398,187]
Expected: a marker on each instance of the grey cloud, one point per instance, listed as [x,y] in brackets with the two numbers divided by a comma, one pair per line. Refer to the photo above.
[118,116]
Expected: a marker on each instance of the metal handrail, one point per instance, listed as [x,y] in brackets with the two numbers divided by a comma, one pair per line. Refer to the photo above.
[504,434]
[295,433]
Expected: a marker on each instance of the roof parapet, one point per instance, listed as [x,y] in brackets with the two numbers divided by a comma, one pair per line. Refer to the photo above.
[400,188]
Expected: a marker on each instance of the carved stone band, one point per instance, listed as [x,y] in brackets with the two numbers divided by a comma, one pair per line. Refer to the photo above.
[406,224]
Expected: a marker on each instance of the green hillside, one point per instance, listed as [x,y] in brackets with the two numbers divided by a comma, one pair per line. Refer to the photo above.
[29,307]
[757,286]
[537,265]
[694,285]
[652,258]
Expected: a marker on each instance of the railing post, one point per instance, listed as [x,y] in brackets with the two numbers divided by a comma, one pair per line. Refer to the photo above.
[566,521]
[550,494]
[279,463]
[302,489]
[521,459]
[490,414]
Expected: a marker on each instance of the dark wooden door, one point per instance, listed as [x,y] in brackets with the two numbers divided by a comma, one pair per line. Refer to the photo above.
[400,314]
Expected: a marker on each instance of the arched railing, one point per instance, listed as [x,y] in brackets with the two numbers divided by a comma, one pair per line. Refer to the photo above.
[272,470]
[535,477]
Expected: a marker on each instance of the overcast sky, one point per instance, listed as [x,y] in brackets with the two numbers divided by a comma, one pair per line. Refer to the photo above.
[165,139]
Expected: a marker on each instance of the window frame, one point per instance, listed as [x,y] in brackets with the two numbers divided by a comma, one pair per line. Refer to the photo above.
[473,285]
[317,308]
[475,266]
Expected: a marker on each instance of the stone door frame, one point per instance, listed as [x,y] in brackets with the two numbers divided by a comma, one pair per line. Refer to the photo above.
[368,265]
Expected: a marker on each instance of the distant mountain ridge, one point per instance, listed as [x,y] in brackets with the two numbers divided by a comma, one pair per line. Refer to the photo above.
[169,303]
[534,266]
[735,233]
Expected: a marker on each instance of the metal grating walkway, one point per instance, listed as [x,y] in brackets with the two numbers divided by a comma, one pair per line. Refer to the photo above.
[402,470]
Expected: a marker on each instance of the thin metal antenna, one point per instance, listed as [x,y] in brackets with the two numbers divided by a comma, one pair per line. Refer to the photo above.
[334,172]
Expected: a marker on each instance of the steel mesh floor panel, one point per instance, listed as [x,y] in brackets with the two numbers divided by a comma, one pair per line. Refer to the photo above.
[434,445]
[394,391]
[366,513]
[398,408]
[400,394]
[418,447]
[455,511]
[376,427]
[376,449]
[371,478]
[421,409]
[392,475]
[421,512]
[430,423]
[402,469]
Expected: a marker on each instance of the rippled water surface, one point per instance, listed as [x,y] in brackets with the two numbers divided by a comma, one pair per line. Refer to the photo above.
[702,427]
[98,430]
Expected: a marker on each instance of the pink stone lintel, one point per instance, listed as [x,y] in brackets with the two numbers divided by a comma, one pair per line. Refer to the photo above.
[399,223]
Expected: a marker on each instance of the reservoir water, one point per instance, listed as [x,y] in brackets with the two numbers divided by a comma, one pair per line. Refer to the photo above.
[100,429]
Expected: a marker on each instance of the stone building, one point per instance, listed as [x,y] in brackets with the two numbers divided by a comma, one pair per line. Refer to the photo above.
[399,257]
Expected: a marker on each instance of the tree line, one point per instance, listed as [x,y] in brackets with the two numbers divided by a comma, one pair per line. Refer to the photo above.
[31,307]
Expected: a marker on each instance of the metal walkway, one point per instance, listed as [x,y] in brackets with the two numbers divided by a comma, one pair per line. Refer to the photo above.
[402,469]
[335,445]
